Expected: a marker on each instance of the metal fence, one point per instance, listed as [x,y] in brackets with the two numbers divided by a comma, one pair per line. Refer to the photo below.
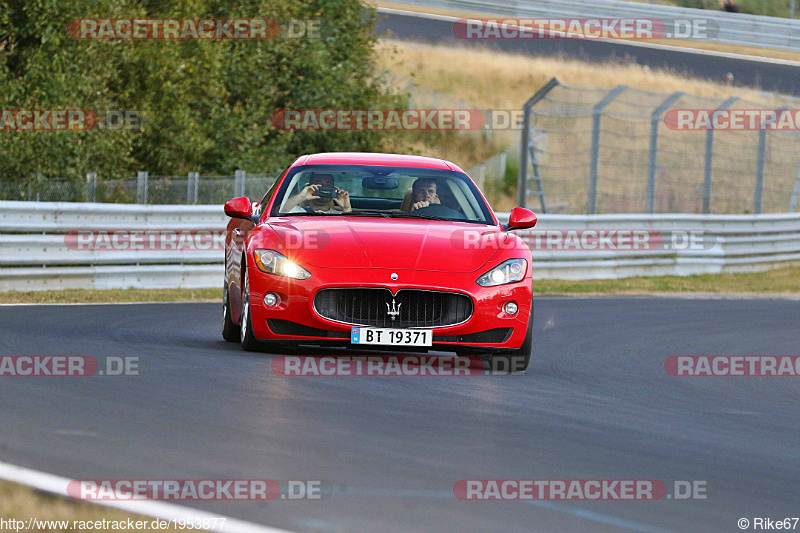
[733,28]
[610,151]
[142,189]
[37,253]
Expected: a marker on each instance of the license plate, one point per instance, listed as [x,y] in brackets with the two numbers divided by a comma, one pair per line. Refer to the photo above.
[392,337]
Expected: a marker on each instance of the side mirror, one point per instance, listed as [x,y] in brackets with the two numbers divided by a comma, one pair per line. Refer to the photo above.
[520,218]
[239,208]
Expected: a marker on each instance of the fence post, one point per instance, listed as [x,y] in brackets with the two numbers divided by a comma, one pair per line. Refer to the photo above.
[795,193]
[762,149]
[481,175]
[238,183]
[655,119]
[522,174]
[141,187]
[461,105]
[191,188]
[597,114]
[91,187]
[709,159]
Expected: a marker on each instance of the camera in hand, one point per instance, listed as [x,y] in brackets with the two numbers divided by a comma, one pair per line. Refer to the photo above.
[327,192]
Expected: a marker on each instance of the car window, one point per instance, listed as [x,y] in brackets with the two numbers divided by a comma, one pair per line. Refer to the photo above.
[397,192]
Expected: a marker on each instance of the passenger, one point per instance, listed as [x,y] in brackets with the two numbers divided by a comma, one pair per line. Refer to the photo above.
[307,201]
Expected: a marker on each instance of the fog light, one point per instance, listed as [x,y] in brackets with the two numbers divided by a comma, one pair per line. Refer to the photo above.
[270,299]
[510,308]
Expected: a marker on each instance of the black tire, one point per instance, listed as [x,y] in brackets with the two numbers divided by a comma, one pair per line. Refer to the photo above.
[246,337]
[515,360]
[230,331]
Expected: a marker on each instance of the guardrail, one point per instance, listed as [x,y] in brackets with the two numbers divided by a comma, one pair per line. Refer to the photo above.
[734,28]
[38,251]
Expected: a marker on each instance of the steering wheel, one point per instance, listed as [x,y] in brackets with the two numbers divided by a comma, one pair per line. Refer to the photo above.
[439,210]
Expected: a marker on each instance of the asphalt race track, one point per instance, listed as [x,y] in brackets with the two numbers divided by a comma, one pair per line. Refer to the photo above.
[766,74]
[597,404]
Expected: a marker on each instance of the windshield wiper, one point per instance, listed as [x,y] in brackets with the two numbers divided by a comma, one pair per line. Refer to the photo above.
[368,213]
[305,214]
[426,217]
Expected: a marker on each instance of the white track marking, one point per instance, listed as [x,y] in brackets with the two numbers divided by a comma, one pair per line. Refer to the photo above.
[154,509]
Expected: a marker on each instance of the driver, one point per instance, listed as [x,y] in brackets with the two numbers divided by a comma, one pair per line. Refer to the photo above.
[423,193]
[307,201]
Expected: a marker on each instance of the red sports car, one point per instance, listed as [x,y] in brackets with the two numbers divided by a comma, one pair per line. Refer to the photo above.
[378,250]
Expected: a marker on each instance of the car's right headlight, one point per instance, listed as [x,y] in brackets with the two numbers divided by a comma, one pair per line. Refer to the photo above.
[509,271]
[273,262]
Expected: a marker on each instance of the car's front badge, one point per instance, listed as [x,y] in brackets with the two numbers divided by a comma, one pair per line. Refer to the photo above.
[394,276]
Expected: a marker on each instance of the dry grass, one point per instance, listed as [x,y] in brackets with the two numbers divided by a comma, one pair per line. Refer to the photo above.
[23,503]
[682,43]
[489,79]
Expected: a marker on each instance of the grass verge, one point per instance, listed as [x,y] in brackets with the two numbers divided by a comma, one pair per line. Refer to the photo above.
[502,81]
[69,296]
[19,502]
[784,281]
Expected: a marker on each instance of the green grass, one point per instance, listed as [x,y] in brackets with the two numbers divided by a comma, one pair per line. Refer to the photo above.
[778,281]
[770,8]
[112,296]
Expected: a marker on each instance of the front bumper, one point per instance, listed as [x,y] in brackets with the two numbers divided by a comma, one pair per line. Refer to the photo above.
[295,319]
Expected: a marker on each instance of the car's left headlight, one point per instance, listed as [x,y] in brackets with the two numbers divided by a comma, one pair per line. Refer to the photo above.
[273,262]
[509,271]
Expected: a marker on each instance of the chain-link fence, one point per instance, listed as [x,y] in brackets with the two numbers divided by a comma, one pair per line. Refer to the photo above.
[626,150]
[143,189]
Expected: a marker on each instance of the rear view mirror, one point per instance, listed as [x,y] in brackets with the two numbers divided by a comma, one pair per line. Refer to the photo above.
[239,208]
[520,218]
[380,182]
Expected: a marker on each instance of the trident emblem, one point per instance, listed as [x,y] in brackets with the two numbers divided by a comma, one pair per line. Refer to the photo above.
[393,311]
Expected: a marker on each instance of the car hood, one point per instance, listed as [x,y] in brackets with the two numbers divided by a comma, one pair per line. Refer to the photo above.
[334,242]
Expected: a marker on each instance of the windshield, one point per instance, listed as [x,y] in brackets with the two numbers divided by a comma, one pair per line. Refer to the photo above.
[377,191]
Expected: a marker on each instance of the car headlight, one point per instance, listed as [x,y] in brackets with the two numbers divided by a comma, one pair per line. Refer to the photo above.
[272,262]
[509,271]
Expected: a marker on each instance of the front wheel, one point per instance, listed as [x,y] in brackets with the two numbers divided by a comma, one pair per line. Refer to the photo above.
[515,360]
[246,337]
[230,331]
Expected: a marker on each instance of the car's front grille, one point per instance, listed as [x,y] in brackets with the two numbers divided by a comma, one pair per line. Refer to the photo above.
[285,327]
[409,308]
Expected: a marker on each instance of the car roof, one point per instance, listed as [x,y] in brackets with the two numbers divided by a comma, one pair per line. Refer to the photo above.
[368,158]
